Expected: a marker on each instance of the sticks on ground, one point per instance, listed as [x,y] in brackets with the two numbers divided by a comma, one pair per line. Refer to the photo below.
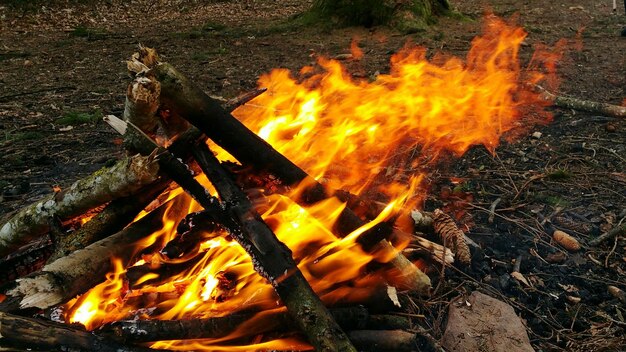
[614,232]
[584,105]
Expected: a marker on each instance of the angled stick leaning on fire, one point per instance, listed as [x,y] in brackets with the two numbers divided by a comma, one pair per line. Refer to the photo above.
[272,258]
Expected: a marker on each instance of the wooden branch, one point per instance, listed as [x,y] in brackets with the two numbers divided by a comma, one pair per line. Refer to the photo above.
[136,331]
[113,218]
[583,105]
[614,232]
[81,270]
[181,95]
[240,100]
[30,333]
[124,178]
[273,260]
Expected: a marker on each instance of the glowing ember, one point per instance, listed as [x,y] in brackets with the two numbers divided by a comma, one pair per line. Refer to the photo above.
[344,132]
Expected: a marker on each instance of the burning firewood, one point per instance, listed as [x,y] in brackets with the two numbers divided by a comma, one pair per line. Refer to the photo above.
[16,331]
[130,178]
[134,331]
[81,270]
[272,258]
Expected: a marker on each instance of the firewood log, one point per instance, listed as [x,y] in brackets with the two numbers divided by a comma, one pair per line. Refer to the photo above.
[76,273]
[253,323]
[384,340]
[113,218]
[124,178]
[29,333]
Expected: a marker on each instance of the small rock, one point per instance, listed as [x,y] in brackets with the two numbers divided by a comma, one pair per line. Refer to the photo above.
[483,323]
[28,63]
[536,135]
[611,127]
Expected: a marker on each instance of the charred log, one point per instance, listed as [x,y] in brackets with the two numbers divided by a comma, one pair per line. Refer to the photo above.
[272,259]
[137,331]
[21,332]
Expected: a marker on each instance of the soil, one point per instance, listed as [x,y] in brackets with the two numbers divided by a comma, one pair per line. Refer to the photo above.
[64,60]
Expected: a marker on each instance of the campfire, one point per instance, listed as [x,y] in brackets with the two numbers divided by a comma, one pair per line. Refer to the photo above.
[274,227]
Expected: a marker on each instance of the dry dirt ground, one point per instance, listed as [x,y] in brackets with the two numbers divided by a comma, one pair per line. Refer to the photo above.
[61,65]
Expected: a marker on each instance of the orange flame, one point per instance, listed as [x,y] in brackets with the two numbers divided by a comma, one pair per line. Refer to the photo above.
[347,133]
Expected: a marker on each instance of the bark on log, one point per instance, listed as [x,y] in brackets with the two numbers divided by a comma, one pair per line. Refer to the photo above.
[78,272]
[112,219]
[136,331]
[33,333]
[273,260]
[125,178]
[181,95]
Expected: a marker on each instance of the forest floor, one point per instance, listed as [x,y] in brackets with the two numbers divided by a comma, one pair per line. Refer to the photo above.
[62,67]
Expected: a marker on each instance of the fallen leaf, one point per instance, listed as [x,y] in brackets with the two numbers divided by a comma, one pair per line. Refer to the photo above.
[573,299]
[519,277]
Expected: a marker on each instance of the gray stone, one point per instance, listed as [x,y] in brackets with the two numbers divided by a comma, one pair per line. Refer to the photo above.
[482,323]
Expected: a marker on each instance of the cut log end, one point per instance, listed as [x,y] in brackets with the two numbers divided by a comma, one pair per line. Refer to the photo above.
[39,291]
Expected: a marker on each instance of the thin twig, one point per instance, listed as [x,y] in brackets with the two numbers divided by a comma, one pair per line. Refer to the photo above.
[6,97]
